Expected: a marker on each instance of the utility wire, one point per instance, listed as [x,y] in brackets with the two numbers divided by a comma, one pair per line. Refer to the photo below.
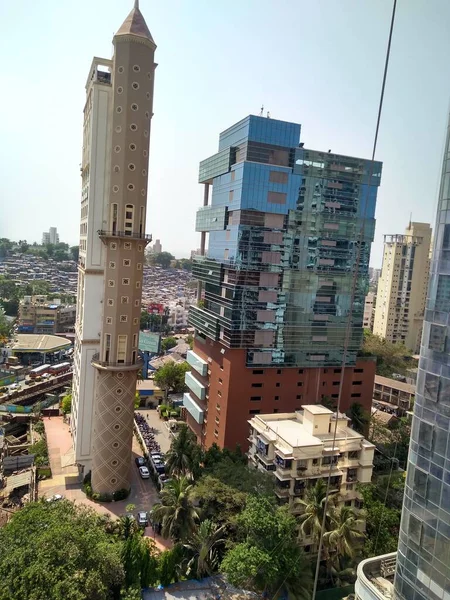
[354,286]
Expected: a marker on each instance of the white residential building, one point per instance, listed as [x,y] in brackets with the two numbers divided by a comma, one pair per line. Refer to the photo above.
[298,448]
[369,311]
[95,169]
[51,236]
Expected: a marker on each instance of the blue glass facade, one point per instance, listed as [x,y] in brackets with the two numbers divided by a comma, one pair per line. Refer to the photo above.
[423,558]
[278,277]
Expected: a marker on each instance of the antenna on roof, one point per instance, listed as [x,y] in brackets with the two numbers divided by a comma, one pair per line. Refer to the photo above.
[261,114]
[268,114]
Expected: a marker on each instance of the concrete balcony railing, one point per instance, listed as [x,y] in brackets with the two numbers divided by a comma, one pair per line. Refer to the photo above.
[125,234]
[116,366]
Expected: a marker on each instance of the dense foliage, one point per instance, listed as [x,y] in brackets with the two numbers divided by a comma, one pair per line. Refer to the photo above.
[170,377]
[58,550]
[391,358]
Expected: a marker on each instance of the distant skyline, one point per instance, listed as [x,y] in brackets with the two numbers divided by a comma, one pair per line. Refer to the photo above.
[316,63]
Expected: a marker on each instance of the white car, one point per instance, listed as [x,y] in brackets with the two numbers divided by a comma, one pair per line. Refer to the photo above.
[14,386]
[144,472]
[55,498]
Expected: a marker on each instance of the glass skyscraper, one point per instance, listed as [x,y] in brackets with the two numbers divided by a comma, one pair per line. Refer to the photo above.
[423,560]
[288,227]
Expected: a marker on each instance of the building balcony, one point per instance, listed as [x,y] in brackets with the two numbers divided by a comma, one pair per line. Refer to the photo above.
[282,492]
[195,386]
[104,365]
[125,235]
[196,411]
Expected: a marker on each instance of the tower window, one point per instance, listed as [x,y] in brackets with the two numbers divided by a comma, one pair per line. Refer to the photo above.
[132,147]
[119,109]
[117,149]
[111,283]
[126,262]
[130,187]
[123,319]
[135,85]
[119,89]
[133,127]
[134,106]
[136,68]
[125,281]
[125,299]
[131,166]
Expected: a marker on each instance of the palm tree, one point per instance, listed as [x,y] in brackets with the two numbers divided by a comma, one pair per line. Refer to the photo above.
[183,454]
[202,546]
[176,512]
[345,532]
[313,505]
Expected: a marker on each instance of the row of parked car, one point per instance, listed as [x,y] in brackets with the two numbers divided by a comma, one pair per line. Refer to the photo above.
[157,464]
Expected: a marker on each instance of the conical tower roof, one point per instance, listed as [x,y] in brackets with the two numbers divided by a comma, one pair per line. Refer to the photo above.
[135,24]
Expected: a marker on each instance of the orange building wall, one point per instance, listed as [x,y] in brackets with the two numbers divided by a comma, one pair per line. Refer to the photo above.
[230,388]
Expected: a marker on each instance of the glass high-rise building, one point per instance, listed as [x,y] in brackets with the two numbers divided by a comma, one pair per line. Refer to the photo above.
[423,559]
[287,228]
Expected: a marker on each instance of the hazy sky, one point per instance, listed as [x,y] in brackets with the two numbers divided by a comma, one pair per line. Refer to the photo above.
[316,62]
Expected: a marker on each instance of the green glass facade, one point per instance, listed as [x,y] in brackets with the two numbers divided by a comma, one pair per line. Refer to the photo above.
[279,276]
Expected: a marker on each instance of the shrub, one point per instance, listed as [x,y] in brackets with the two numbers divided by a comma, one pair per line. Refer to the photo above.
[121,494]
[105,497]
[95,496]
[87,490]
[39,427]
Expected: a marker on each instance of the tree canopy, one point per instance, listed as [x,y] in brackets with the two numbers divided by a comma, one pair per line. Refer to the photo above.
[163,259]
[170,377]
[58,550]
[391,358]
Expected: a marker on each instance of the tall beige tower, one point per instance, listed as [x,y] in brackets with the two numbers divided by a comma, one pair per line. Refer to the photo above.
[124,240]
[402,287]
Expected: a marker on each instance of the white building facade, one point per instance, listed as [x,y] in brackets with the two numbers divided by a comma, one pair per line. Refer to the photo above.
[95,171]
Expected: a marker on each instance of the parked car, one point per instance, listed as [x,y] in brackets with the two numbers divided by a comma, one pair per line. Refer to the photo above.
[55,498]
[142,519]
[144,472]
[14,386]
[140,461]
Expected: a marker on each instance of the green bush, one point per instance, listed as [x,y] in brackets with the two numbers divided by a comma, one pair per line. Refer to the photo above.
[105,497]
[39,427]
[39,449]
[121,494]
[95,496]
[87,488]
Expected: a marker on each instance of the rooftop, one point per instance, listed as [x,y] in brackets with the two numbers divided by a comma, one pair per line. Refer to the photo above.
[395,384]
[376,577]
[317,409]
[25,342]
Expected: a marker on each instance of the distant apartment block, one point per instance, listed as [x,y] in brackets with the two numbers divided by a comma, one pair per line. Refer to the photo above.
[298,449]
[51,236]
[392,395]
[42,314]
[369,311]
[402,287]
[157,247]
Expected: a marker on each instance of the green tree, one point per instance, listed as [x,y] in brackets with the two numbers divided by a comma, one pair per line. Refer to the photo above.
[391,358]
[203,549]
[168,343]
[269,558]
[58,550]
[66,404]
[40,452]
[220,503]
[170,377]
[170,565]
[382,523]
[5,247]
[75,252]
[176,511]
[183,458]
[345,535]
[163,259]
[5,324]
[359,417]
[314,508]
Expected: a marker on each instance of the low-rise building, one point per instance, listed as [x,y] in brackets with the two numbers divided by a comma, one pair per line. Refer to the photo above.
[298,448]
[42,314]
[393,396]
[375,579]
